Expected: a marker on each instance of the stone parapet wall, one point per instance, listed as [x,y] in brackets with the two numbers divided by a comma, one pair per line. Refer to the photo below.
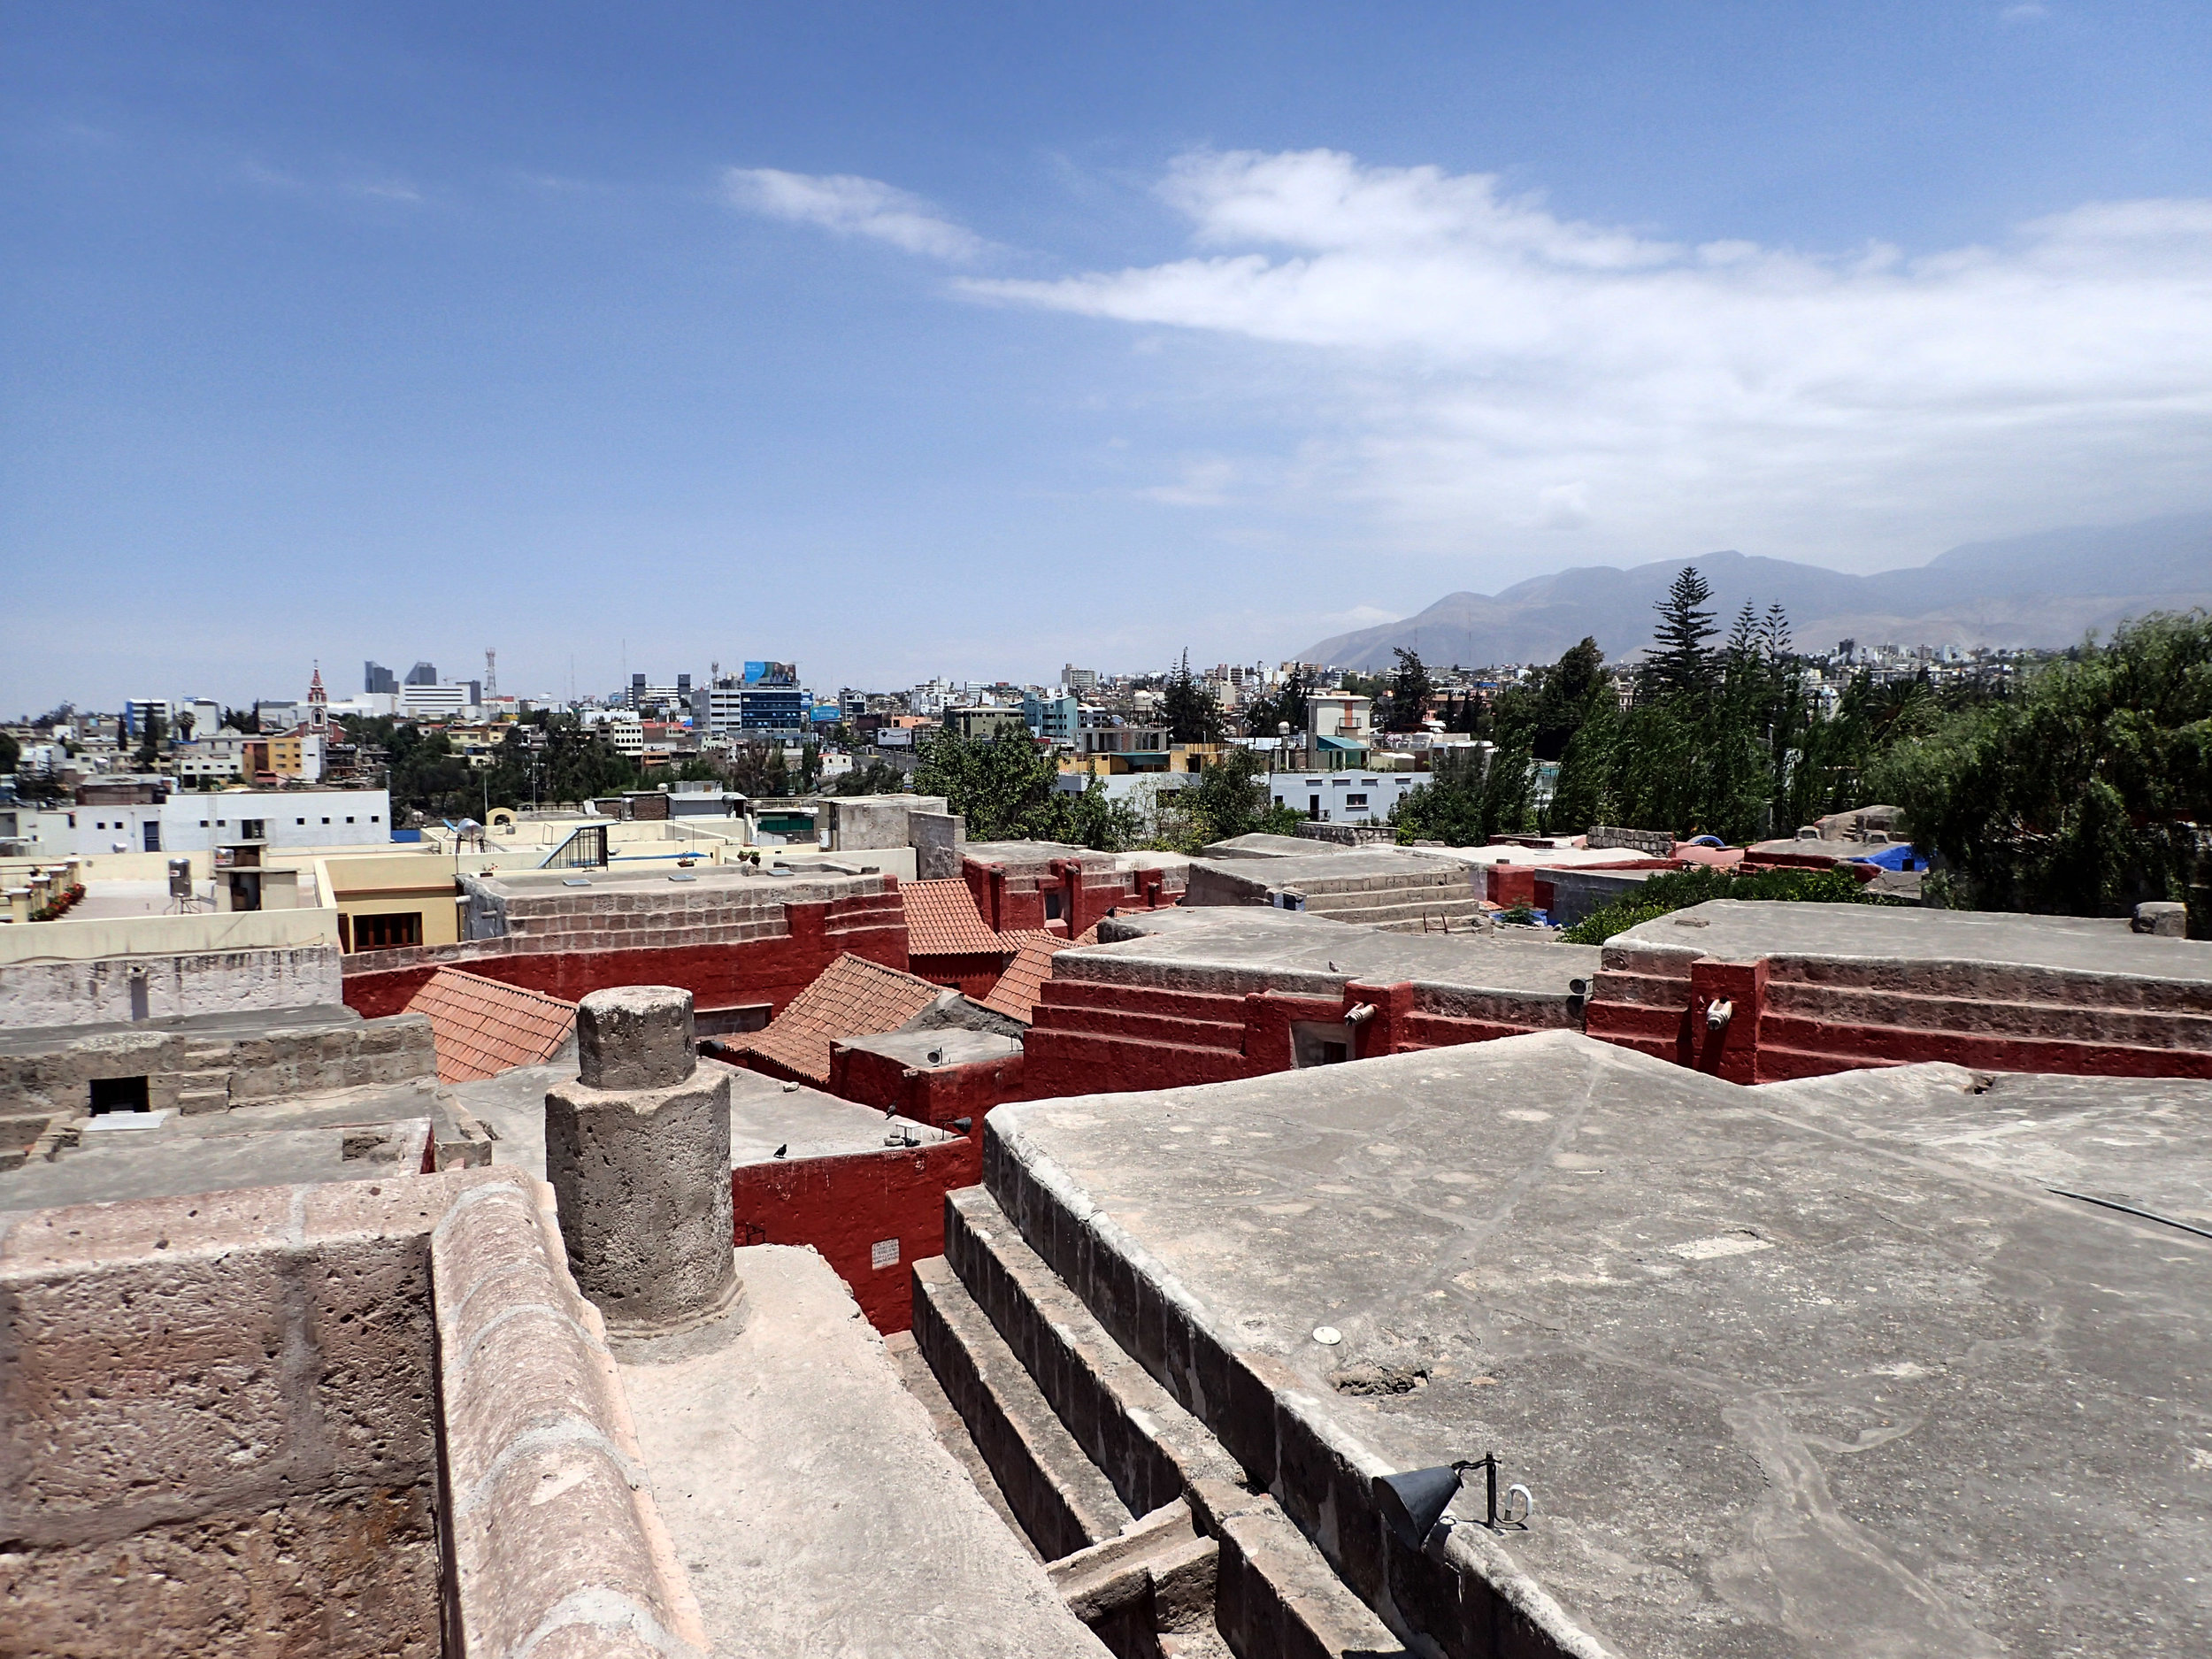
[556,1545]
[202,1071]
[223,1421]
[128,987]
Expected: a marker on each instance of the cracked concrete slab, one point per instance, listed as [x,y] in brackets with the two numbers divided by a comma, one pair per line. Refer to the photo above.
[1783,1382]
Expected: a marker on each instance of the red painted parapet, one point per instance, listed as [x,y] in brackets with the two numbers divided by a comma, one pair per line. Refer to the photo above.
[1726,1002]
[773,970]
[938,1096]
[1791,1017]
[1509,885]
[870,1215]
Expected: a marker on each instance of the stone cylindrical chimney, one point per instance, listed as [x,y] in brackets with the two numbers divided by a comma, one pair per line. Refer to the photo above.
[637,1150]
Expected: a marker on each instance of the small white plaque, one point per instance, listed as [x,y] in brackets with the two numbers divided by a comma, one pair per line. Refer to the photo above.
[884,1253]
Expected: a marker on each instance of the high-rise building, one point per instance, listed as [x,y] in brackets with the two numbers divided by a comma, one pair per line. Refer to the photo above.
[377,680]
[422,674]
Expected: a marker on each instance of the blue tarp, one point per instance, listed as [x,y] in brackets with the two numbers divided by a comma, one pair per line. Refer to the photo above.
[1898,856]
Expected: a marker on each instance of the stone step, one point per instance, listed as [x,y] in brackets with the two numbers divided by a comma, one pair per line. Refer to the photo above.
[1277,1595]
[1126,1423]
[952,1433]
[1061,1498]
[1274,1594]
[1155,1576]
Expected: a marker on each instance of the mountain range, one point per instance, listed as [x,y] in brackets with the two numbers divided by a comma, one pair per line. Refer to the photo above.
[2044,590]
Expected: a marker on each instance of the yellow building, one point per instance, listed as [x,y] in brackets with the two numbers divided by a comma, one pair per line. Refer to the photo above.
[385,900]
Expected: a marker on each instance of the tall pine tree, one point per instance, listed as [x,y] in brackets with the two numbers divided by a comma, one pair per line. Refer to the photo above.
[1681,665]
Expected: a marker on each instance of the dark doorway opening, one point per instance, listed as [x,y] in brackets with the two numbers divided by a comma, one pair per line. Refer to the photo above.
[118,1094]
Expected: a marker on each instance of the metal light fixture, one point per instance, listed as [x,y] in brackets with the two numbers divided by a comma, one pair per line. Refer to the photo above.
[1412,1503]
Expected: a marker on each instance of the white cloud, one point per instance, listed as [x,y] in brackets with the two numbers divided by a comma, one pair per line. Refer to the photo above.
[852,206]
[1472,349]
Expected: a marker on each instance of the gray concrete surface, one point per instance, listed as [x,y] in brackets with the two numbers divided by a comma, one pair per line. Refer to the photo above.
[1784,1384]
[168,1155]
[1261,845]
[764,1115]
[933,1050]
[1739,929]
[2140,1141]
[812,1505]
[1290,946]
[1242,880]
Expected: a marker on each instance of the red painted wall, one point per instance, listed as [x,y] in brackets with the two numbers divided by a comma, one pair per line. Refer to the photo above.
[843,1206]
[1817,1031]
[772,971]
[936,1097]
[973,974]
[1090,1036]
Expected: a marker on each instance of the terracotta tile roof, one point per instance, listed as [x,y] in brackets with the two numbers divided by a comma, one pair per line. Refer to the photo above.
[484,1026]
[941,920]
[1018,989]
[852,997]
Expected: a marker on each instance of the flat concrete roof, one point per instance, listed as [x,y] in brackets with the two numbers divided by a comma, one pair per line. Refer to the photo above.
[168,1155]
[30,1040]
[1292,946]
[661,878]
[1260,844]
[809,1498]
[1327,868]
[1740,929]
[1023,853]
[765,1114]
[1781,1384]
[949,1045]
[2139,1141]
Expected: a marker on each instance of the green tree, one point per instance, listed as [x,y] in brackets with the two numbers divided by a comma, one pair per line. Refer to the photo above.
[1231,798]
[10,754]
[1008,789]
[1265,717]
[150,741]
[1407,699]
[878,777]
[2085,795]
[246,722]
[1188,708]
[1680,664]
[1467,801]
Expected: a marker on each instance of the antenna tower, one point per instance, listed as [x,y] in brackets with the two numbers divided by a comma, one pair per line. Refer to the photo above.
[491,672]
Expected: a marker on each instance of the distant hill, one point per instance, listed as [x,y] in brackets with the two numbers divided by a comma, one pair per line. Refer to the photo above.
[2044,590]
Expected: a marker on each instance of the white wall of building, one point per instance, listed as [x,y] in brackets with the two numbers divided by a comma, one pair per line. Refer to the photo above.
[1344,797]
[194,821]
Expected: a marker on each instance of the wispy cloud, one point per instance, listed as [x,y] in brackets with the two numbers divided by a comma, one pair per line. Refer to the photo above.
[1485,363]
[852,206]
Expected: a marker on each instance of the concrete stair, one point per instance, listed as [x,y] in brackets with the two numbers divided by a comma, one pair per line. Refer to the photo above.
[1079,1438]
[1063,1500]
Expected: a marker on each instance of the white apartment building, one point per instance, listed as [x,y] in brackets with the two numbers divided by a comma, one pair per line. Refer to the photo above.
[287,820]
[434,702]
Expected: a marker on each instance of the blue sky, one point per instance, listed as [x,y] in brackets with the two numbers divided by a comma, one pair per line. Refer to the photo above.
[904,340]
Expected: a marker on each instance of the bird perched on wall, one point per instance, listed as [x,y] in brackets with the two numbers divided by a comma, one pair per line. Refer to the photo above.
[785,1148]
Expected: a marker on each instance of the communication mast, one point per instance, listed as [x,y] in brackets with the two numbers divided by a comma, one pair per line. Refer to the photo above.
[491,673]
